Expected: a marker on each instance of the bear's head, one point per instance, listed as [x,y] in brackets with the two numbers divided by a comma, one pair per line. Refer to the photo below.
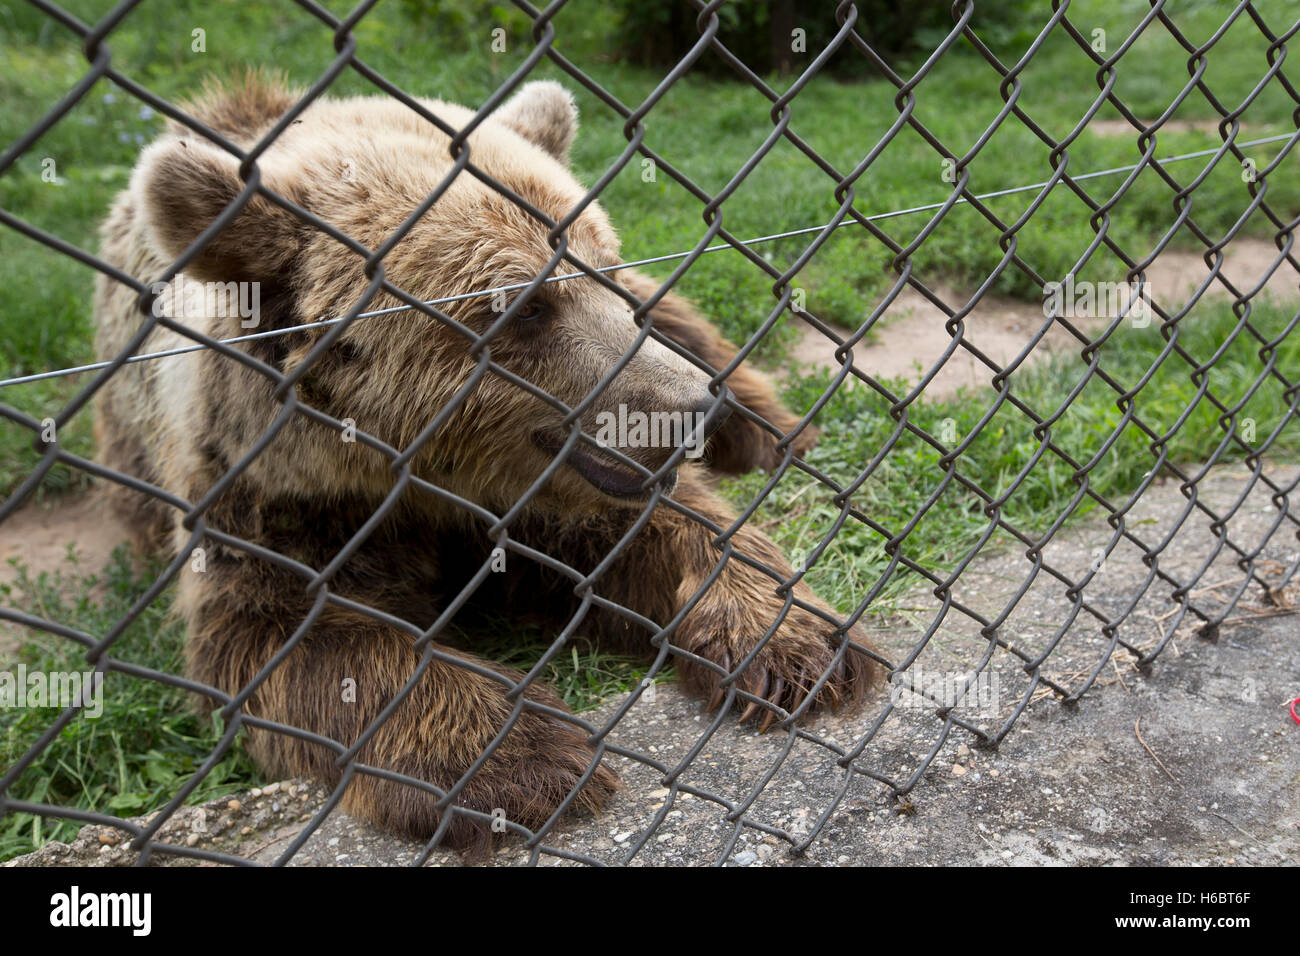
[489,397]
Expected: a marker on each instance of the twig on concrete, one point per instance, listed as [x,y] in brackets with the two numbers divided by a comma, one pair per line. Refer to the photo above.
[1214,587]
[269,843]
[1137,729]
[1249,835]
[1247,619]
[1119,676]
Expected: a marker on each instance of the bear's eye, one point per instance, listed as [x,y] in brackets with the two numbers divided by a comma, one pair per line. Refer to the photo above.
[530,311]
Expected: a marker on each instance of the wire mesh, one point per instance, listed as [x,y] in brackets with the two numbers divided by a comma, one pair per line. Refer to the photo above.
[854,762]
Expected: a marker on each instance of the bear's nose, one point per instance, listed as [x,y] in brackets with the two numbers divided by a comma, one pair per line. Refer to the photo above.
[717,407]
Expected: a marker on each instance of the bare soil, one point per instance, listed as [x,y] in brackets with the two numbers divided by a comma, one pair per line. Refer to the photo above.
[40,534]
[1119,128]
[910,337]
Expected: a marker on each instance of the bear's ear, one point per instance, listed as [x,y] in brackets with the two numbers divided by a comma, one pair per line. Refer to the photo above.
[544,113]
[185,184]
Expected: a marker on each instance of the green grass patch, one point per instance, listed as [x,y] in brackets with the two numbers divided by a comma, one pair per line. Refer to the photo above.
[707,126]
[149,739]
[856,423]
[18,457]
[581,673]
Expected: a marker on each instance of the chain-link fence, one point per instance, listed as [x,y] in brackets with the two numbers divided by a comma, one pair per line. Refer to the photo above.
[608,574]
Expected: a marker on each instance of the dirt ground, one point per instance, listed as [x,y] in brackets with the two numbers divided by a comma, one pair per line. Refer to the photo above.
[912,331]
[39,534]
[1122,128]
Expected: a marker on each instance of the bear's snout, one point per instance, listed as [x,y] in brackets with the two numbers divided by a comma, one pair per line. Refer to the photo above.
[647,436]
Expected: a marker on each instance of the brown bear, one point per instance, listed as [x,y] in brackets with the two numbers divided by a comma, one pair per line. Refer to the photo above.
[329,492]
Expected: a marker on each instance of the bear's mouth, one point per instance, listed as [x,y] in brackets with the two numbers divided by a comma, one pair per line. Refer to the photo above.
[601,470]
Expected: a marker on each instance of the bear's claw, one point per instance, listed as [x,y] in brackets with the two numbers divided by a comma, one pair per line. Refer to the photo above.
[783,675]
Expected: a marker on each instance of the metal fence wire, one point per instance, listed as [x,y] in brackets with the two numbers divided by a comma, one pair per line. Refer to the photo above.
[853,761]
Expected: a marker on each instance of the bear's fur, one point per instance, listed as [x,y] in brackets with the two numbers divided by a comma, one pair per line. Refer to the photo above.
[267,635]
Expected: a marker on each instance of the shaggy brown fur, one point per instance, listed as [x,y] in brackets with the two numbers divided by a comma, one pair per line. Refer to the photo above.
[185,424]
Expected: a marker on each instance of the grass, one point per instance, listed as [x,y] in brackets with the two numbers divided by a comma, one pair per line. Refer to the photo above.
[44,297]
[582,674]
[149,740]
[856,424]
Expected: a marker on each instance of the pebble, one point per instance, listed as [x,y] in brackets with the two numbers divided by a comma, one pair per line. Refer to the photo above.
[623,837]
[958,770]
[270,788]
[746,857]
[233,805]
[108,839]
[963,751]
[192,839]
